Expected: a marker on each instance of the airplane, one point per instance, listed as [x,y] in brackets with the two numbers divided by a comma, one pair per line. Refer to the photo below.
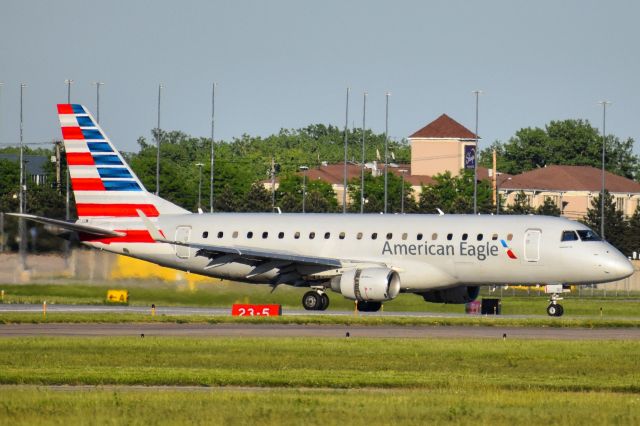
[372,258]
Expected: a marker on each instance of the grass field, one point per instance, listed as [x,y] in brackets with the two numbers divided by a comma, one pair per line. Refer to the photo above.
[224,295]
[319,381]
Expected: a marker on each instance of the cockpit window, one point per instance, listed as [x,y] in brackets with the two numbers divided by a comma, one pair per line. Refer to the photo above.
[588,235]
[569,236]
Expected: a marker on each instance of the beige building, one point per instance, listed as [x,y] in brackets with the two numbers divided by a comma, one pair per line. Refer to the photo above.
[440,146]
[572,188]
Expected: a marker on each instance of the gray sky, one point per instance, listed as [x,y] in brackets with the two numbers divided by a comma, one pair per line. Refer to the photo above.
[286,64]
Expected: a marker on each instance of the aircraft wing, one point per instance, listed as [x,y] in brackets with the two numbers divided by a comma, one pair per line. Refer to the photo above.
[70,226]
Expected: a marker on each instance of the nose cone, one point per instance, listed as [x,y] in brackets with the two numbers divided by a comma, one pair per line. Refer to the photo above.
[619,267]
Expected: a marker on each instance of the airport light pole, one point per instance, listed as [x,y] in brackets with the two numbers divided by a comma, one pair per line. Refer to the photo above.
[199,165]
[98,84]
[304,170]
[364,115]
[475,158]
[386,151]
[213,162]
[402,172]
[346,139]
[21,195]
[158,137]
[604,143]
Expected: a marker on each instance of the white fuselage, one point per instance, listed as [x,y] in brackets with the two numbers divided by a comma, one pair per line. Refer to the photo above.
[427,251]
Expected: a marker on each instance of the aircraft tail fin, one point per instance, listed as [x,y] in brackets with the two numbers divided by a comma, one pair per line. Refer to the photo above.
[103,183]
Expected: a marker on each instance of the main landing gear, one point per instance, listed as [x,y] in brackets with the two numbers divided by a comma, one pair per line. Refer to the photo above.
[555,309]
[315,300]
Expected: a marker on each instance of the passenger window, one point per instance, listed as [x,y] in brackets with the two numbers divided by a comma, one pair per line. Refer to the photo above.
[235,234]
[312,235]
[205,234]
[494,237]
[296,235]
[464,237]
[434,236]
[281,235]
[569,236]
[249,234]
[389,236]
[265,234]
[449,237]
[327,235]
[419,237]
[374,235]
[479,237]
[359,236]
[404,236]
[220,234]
[341,236]
[509,237]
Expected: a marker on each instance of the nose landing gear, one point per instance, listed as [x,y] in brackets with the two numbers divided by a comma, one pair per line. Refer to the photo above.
[555,309]
[315,300]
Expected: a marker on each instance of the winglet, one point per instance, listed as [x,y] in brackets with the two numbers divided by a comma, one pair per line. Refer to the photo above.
[153,231]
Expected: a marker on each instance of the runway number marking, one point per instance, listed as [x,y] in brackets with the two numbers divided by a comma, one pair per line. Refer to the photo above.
[256,310]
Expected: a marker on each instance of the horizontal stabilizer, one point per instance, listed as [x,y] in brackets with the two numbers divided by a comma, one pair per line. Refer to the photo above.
[71,226]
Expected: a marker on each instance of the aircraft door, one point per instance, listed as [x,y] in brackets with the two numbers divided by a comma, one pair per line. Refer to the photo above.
[532,245]
[183,234]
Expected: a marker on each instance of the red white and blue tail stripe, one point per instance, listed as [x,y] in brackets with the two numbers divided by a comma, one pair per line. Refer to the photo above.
[103,184]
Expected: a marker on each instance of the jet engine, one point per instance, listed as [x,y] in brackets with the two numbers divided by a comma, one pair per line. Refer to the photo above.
[368,284]
[461,294]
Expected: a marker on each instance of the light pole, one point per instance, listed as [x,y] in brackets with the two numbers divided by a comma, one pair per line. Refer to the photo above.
[213,163]
[158,137]
[199,165]
[364,115]
[498,193]
[98,84]
[304,170]
[346,139]
[604,140]
[386,150]
[475,158]
[23,263]
[402,172]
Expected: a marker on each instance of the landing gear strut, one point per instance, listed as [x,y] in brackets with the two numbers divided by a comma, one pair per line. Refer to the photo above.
[555,309]
[315,300]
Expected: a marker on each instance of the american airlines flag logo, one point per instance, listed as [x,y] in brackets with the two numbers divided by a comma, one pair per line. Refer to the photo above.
[510,253]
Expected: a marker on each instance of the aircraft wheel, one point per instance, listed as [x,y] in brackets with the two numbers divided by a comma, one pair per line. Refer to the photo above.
[312,301]
[325,302]
[369,306]
[552,310]
[559,310]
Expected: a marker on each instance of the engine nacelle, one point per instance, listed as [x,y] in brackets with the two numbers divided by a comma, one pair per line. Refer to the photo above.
[368,284]
[462,294]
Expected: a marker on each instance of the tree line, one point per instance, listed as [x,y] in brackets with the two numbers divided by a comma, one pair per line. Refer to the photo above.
[244,164]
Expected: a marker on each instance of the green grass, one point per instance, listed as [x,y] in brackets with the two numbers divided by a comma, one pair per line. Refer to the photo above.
[364,320]
[224,295]
[318,381]
[34,406]
[597,366]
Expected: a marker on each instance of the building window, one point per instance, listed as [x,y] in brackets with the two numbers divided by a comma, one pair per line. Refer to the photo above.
[620,204]
[205,234]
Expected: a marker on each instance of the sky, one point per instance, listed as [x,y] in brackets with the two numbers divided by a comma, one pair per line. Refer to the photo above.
[288,63]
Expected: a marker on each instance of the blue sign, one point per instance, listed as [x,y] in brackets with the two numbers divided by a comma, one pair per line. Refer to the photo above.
[469,157]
